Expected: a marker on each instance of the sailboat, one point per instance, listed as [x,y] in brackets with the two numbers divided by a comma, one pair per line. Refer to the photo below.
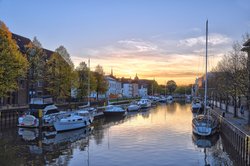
[205,124]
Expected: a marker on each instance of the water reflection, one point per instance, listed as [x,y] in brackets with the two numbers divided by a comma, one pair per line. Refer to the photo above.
[158,136]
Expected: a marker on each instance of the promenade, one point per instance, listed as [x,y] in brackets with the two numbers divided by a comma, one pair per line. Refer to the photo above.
[240,121]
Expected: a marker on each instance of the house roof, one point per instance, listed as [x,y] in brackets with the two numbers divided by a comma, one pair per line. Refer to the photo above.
[247,43]
[48,52]
[21,41]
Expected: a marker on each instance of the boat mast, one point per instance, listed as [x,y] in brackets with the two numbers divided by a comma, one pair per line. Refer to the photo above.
[206,69]
[88,82]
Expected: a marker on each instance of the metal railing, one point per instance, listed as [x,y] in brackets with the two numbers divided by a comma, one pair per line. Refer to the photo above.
[238,138]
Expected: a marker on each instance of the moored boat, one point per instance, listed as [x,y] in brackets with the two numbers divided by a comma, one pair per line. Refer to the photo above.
[170,99]
[112,110]
[133,107]
[144,103]
[204,125]
[31,118]
[196,105]
[74,120]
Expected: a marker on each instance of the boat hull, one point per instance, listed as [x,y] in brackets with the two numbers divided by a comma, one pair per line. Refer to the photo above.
[28,121]
[65,126]
[133,108]
[205,127]
[204,131]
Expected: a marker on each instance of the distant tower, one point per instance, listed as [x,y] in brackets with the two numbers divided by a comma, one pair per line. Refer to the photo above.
[111,71]
[136,77]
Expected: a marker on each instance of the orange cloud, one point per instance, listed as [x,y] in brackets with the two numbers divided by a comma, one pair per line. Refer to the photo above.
[162,60]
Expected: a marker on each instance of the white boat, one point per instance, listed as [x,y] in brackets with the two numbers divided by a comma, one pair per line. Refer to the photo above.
[31,118]
[144,103]
[162,99]
[133,107]
[196,105]
[74,120]
[205,125]
[112,110]
[170,98]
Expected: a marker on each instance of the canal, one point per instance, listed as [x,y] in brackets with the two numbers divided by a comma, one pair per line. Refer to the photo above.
[159,136]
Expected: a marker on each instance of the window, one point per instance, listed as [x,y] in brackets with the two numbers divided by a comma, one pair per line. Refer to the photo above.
[40,83]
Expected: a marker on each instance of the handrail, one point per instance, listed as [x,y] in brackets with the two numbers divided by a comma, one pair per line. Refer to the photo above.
[232,124]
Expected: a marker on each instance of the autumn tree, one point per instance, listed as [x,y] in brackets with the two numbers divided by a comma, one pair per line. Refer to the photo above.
[13,63]
[60,77]
[65,55]
[153,87]
[171,86]
[101,83]
[85,77]
[36,59]
[232,74]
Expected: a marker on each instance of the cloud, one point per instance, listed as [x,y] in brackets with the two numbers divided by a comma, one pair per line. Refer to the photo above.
[213,39]
[155,58]
[138,45]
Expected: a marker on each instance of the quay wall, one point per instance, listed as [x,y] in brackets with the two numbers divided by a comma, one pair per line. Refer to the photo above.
[237,138]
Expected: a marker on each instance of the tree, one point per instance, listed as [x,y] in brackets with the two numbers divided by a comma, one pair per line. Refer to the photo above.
[183,90]
[232,74]
[65,55]
[36,59]
[61,77]
[171,86]
[101,83]
[36,42]
[12,63]
[83,75]
[153,87]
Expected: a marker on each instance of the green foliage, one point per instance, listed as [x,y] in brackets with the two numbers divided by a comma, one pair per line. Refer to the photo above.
[83,73]
[36,59]
[65,55]
[171,86]
[12,63]
[183,90]
[60,77]
[101,83]
[154,88]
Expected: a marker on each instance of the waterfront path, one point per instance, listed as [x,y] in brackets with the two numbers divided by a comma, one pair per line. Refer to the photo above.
[240,121]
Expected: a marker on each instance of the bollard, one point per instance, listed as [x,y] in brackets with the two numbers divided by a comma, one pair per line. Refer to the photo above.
[40,115]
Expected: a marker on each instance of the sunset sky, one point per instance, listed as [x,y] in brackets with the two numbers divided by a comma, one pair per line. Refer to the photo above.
[161,39]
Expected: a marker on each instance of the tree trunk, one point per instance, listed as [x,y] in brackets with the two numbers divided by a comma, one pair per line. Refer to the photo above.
[227,103]
[235,107]
[220,101]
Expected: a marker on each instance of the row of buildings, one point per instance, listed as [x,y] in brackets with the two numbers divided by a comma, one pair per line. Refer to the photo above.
[126,87]
[117,87]
[26,88]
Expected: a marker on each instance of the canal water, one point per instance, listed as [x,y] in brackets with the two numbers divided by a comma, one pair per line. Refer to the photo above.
[156,137]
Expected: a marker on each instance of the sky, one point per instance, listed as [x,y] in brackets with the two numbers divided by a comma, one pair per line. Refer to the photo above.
[155,39]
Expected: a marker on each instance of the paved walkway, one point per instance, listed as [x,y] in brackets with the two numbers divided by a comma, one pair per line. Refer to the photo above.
[240,121]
